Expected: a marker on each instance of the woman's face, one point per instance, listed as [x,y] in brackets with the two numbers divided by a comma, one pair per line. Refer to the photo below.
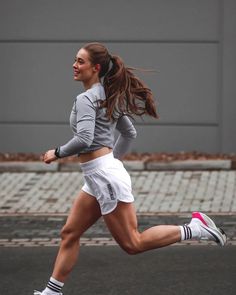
[84,70]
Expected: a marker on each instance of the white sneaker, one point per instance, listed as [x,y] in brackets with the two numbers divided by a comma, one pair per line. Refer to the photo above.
[209,231]
[39,293]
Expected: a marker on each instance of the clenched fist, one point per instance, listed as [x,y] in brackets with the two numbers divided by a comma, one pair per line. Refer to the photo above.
[49,156]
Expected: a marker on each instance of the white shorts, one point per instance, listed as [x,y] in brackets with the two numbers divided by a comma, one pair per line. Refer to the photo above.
[107,180]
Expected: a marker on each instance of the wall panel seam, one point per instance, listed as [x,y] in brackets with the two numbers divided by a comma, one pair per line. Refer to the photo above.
[168,124]
[112,41]
[220,76]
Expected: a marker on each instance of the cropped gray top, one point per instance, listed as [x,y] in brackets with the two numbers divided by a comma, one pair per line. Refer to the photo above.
[91,128]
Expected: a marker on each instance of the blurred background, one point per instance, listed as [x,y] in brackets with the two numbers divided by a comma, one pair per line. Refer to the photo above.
[190,44]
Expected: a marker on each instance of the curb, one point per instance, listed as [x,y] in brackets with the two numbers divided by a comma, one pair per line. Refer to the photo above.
[129,165]
[28,167]
[191,165]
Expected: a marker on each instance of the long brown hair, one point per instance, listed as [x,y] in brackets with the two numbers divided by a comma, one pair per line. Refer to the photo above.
[125,93]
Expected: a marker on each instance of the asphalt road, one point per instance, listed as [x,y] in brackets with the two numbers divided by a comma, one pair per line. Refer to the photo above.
[107,270]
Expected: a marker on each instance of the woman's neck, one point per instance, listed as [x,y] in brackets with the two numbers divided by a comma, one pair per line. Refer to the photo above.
[90,83]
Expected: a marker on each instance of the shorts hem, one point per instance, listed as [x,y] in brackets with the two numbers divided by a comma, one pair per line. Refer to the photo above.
[118,200]
[88,192]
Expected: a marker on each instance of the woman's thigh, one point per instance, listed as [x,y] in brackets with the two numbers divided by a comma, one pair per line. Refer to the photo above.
[122,223]
[84,213]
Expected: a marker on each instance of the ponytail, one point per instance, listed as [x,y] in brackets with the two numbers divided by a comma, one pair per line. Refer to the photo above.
[126,93]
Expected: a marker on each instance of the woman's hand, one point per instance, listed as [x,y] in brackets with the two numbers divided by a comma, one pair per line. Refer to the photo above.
[49,157]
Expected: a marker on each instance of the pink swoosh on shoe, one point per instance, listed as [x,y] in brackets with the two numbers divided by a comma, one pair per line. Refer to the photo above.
[199,216]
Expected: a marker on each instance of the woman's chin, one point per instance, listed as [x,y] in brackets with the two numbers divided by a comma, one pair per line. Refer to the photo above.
[76,78]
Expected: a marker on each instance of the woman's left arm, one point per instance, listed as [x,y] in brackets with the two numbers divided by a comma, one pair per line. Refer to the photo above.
[127,134]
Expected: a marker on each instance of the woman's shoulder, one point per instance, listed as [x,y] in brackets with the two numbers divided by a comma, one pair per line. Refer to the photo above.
[94,94]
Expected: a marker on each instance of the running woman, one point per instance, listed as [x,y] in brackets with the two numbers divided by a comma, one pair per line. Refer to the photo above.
[112,93]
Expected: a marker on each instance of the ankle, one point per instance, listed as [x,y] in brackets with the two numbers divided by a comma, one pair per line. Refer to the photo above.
[195,229]
[190,231]
[53,287]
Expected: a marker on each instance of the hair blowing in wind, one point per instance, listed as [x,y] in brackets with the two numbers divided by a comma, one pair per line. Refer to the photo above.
[125,93]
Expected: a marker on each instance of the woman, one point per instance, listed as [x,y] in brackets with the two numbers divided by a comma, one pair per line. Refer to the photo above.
[111,93]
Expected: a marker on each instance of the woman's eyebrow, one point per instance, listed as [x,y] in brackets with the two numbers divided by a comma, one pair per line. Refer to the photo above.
[79,58]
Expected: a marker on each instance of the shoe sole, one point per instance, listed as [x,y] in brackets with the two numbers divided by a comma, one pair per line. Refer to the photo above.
[209,225]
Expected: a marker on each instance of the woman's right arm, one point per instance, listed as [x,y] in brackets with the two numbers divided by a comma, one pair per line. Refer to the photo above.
[85,124]
[125,138]
[83,138]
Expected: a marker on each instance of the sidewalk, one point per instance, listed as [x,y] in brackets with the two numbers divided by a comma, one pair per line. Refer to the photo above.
[166,193]
[154,191]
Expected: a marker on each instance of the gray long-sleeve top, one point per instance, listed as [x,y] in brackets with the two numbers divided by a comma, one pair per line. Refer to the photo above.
[91,128]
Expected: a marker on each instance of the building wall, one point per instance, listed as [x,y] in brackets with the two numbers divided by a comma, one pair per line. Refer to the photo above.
[190,43]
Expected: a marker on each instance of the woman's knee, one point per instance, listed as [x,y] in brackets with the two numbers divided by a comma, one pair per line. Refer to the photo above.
[69,235]
[131,247]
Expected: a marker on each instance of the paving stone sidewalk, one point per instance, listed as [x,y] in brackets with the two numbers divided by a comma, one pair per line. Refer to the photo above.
[155,191]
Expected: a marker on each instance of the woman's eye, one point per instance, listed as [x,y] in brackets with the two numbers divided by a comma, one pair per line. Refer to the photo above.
[79,61]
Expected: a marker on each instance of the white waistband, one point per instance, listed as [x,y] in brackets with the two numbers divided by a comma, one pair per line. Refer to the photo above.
[99,162]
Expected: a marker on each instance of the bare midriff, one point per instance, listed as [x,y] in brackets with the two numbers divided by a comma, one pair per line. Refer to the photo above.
[94,154]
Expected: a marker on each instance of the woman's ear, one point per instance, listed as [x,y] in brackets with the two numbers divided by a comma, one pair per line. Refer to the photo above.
[97,67]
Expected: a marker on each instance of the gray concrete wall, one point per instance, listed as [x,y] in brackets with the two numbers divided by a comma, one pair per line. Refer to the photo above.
[191,44]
